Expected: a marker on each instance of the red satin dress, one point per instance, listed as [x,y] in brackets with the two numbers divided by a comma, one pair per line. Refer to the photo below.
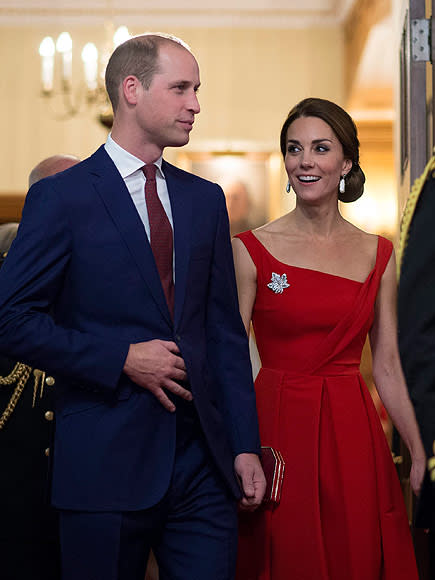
[341,514]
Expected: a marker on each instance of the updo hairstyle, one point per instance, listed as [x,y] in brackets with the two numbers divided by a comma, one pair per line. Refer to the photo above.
[343,126]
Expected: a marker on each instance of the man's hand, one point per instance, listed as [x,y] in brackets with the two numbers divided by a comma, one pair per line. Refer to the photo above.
[251,476]
[156,365]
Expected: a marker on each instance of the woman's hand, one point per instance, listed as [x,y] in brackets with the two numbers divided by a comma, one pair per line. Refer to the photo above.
[418,469]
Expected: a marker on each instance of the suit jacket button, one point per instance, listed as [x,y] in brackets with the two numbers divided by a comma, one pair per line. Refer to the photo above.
[177,337]
[50,381]
[49,415]
[47,451]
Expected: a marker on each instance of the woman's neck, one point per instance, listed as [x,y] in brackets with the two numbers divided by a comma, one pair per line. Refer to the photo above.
[321,221]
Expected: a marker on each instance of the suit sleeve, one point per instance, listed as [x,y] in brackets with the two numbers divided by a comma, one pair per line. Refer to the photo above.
[416,314]
[227,345]
[30,280]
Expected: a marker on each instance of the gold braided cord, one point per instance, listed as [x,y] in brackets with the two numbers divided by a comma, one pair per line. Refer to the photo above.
[20,374]
[408,213]
[15,374]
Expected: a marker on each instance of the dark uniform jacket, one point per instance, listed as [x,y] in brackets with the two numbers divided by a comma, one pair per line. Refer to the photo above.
[416,318]
[29,543]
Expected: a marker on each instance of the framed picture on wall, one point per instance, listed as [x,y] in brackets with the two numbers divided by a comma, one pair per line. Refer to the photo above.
[245,179]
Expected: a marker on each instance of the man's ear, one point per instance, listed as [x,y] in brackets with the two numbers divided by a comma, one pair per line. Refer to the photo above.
[130,87]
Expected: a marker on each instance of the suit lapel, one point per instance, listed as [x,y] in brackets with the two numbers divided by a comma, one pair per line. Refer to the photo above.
[111,188]
[180,195]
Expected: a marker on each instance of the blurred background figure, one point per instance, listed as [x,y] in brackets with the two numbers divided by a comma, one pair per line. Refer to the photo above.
[238,205]
[29,545]
[7,235]
[50,166]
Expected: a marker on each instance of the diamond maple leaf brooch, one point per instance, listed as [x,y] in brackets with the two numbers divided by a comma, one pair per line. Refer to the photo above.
[278,283]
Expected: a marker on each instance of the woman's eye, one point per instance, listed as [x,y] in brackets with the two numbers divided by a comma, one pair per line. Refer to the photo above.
[293,149]
[322,148]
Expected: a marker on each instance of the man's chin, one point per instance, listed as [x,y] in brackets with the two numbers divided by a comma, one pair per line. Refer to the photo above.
[178,141]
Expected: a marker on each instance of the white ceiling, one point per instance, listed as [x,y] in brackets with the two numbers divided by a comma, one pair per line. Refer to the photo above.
[235,13]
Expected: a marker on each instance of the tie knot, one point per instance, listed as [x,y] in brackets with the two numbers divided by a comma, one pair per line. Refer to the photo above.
[149,171]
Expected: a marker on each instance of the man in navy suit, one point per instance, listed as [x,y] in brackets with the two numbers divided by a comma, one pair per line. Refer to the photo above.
[156,427]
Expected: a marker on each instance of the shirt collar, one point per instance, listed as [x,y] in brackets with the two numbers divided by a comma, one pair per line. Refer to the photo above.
[125,162]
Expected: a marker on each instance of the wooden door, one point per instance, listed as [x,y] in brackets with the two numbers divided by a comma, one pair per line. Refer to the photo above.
[416,92]
[417,129]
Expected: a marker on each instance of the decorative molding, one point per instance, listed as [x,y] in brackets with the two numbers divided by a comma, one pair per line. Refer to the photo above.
[283,14]
[375,131]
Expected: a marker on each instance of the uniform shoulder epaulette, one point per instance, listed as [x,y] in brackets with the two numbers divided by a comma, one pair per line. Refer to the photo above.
[431,464]
[410,206]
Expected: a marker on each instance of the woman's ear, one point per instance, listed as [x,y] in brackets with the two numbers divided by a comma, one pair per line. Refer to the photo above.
[347,166]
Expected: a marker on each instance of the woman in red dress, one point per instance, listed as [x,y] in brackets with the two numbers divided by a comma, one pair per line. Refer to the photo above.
[314,286]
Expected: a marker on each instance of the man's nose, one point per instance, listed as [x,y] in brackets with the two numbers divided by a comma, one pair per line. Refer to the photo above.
[193,104]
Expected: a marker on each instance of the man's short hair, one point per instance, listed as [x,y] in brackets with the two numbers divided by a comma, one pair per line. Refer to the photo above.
[137,56]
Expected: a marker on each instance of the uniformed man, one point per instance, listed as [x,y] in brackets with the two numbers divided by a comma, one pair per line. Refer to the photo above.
[29,544]
[416,317]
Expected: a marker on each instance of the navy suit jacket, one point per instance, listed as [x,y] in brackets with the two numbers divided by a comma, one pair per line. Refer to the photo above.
[80,284]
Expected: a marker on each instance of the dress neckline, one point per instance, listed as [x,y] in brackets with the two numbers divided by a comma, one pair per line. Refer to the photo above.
[318,271]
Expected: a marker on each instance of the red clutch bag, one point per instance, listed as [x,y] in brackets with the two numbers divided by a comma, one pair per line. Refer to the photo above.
[273,466]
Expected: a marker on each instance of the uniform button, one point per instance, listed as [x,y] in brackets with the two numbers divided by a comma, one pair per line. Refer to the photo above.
[47,451]
[177,337]
[49,415]
[49,381]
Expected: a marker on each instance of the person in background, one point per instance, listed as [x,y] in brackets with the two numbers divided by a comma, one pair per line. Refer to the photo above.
[8,232]
[29,538]
[238,205]
[315,286]
[416,317]
[50,166]
[156,433]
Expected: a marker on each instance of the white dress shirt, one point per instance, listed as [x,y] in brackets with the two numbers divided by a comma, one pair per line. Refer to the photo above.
[130,168]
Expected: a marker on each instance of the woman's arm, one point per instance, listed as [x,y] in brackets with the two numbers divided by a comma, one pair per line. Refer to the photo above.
[246,277]
[388,374]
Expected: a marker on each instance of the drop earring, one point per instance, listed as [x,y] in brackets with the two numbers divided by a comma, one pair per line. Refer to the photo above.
[287,187]
[342,184]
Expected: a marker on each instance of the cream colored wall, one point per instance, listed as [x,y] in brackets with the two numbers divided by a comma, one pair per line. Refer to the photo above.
[31,130]
[376,211]
[250,79]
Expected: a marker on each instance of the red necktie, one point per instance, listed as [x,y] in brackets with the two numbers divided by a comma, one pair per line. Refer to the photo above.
[161,238]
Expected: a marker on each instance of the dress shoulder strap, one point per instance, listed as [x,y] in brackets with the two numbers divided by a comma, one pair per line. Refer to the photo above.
[385,249]
[253,245]
[351,325]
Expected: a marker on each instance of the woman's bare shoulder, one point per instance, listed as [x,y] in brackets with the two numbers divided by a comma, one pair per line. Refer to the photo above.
[281,225]
[365,241]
